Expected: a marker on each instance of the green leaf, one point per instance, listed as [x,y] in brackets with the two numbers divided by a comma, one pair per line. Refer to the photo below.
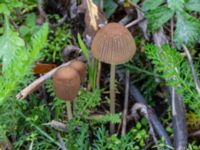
[187,29]
[31,20]
[21,63]
[150,5]
[193,5]
[10,42]
[4,9]
[109,7]
[135,1]
[176,5]
[83,47]
[157,17]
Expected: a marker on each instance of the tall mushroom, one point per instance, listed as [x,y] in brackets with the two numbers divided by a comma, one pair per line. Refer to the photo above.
[114,45]
[66,84]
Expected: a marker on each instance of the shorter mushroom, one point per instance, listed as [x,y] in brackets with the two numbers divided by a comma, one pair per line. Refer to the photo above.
[66,84]
[80,67]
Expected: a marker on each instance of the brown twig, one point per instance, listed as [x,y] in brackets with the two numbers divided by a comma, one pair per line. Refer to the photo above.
[124,121]
[195,78]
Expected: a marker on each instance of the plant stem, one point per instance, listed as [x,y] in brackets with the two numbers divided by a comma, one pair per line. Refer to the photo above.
[69,110]
[112,95]
[126,97]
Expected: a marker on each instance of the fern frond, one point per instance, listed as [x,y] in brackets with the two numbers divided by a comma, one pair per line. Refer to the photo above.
[187,29]
[175,70]
[21,64]
[113,118]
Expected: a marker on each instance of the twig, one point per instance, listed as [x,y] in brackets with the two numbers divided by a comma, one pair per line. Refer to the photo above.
[134,92]
[195,78]
[144,110]
[73,8]
[172,31]
[195,134]
[126,19]
[59,22]
[57,125]
[38,82]
[62,143]
[125,104]
[41,10]
[134,22]
[179,121]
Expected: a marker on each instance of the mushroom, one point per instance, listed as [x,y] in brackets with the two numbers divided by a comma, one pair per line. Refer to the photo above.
[66,84]
[80,67]
[114,45]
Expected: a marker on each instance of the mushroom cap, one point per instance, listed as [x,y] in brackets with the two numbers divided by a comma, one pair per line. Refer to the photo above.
[80,67]
[66,83]
[113,44]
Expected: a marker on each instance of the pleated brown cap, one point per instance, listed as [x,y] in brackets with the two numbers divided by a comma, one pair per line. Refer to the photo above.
[80,67]
[113,44]
[66,83]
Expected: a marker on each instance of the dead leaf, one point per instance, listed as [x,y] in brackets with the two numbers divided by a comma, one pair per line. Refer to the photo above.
[93,17]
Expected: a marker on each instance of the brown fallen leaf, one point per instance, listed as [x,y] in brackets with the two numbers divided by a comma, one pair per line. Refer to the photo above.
[43,68]
[94,17]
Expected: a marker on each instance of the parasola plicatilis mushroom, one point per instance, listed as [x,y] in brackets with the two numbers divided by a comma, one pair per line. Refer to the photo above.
[80,67]
[66,84]
[114,45]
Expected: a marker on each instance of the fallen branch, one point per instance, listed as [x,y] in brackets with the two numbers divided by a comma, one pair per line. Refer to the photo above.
[135,93]
[195,78]
[134,22]
[144,111]
[124,120]
[62,143]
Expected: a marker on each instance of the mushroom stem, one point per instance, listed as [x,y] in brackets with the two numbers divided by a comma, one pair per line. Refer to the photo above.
[112,95]
[69,110]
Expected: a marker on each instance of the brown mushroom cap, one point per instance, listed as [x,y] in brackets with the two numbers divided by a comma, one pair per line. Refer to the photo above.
[80,67]
[113,44]
[66,83]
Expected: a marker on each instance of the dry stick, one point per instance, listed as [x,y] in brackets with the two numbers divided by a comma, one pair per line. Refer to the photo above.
[62,143]
[57,125]
[126,19]
[125,104]
[41,10]
[59,22]
[38,82]
[179,122]
[134,22]
[144,110]
[172,31]
[135,93]
[195,78]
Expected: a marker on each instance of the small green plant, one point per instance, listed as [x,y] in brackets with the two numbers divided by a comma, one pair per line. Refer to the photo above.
[92,69]
[175,70]
[58,39]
